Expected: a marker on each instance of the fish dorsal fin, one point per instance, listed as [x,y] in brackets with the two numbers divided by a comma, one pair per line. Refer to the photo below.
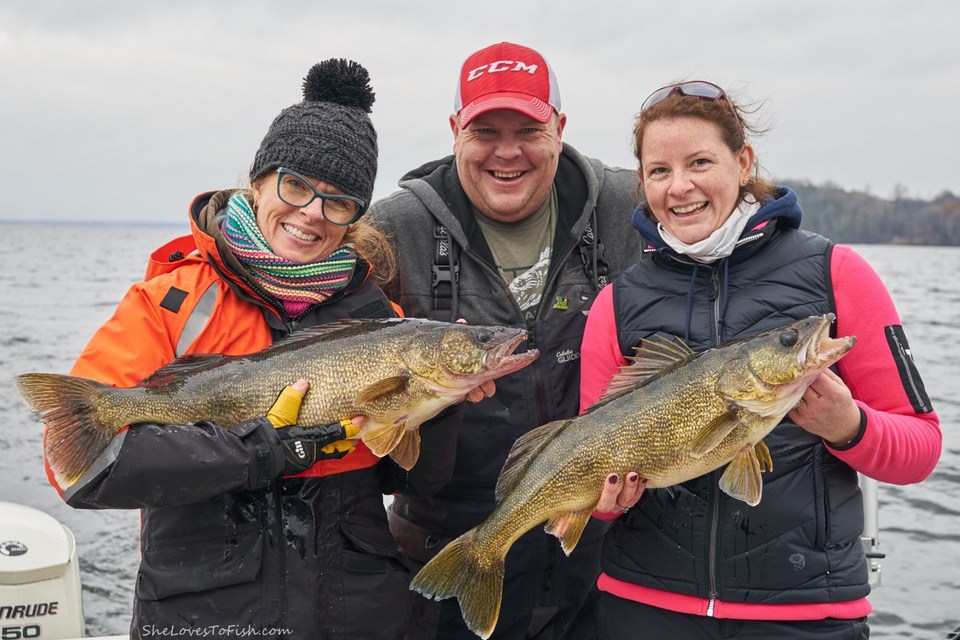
[381,388]
[407,451]
[741,479]
[568,527]
[522,451]
[195,363]
[714,432]
[336,330]
[184,366]
[652,357]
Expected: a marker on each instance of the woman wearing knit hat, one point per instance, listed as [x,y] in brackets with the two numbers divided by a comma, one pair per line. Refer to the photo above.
[235,541]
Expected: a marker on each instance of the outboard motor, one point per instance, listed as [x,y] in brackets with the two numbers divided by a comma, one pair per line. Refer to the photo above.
[39,577]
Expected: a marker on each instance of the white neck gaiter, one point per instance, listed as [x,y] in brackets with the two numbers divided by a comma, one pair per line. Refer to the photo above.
[718,244]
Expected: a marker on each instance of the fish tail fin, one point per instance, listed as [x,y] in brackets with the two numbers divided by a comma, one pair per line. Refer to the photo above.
[456,572]
[76,432]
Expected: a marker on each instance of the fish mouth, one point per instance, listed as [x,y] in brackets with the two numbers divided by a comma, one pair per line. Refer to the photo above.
[502,358]
[821,350]
[778,384]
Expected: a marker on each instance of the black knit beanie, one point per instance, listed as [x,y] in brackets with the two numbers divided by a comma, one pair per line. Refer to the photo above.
[329,135]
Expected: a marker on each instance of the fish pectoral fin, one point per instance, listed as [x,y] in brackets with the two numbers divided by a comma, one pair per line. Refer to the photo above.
[763,455]
[568,527]
[742,479]
[385,439]
[380,388]
[407,451]
[714,432]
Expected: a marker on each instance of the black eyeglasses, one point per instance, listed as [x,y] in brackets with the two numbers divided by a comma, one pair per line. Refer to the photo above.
[298,191]
[696,89]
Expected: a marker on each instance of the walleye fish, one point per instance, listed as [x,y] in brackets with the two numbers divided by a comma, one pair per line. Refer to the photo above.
[397,372]
[671,416]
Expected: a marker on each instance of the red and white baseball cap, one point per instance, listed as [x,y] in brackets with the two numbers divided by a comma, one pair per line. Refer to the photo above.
[506,76]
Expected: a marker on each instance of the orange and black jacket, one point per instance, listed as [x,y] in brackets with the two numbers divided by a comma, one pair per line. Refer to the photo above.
[223,535]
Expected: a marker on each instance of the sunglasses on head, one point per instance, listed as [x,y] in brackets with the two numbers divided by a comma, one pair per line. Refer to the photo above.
[695,89]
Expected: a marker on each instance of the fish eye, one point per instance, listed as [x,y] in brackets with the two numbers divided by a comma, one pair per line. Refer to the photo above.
[484,336]
[789,337]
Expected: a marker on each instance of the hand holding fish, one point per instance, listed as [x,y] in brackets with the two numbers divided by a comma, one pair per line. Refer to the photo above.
[484,390]
[285,410]
[303,447]
[615,499]
[827,409]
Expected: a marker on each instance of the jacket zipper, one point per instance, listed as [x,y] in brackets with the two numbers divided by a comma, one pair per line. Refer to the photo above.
[715,515]
[540,394]
[715,284]
[715,295]
[712,561]
[538,384]
[539,389]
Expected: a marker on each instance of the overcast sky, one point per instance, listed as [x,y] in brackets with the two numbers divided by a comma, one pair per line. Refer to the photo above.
[123,110]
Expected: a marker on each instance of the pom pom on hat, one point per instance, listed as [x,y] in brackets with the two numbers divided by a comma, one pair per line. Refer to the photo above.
[342,81]
[328,136]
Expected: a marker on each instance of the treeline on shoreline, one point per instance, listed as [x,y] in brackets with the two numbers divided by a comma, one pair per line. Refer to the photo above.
[854,217]
[849,217]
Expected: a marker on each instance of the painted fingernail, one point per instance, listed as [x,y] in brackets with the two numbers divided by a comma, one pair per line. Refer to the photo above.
[613,479]
[633,477]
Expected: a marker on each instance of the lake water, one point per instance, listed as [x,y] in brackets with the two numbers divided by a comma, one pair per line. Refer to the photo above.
[58,283]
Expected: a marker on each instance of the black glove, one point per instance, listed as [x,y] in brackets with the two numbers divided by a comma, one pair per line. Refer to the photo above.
[303,447]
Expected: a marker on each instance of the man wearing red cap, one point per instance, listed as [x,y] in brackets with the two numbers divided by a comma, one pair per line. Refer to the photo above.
[516,228]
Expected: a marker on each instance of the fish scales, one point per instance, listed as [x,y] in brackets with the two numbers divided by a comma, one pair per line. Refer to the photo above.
[672,416]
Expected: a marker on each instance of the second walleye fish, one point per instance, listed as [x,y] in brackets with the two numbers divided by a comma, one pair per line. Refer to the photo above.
[671,416]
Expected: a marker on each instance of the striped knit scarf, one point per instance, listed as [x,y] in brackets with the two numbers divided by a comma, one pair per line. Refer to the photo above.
[297,285]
